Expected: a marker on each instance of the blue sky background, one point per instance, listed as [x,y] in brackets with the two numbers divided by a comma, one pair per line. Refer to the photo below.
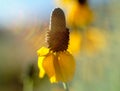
[26,9]
[13,9]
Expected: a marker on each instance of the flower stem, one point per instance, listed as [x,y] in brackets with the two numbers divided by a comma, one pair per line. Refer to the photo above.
[27,84]
[65,85]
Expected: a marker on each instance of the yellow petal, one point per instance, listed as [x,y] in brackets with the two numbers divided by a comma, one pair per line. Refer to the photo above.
[75,42]
[43,51]
[42,71]
[49,66]
[53,79]
[64,67]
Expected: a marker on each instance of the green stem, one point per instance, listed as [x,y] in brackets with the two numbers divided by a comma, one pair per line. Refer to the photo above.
[65,85]
[27,84]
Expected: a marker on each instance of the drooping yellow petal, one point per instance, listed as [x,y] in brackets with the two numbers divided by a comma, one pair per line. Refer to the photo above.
[53,79]
[49,66]
[64,66]
[40,66]
[43,51]
[75,42]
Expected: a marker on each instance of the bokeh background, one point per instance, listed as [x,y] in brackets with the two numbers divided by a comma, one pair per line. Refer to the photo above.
[23,25]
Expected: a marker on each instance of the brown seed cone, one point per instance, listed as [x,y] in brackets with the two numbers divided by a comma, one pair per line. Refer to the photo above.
[58,35]
[82,2]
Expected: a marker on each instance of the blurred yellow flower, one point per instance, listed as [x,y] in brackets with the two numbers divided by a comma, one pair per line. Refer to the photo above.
[94,40]
[78,12]
[79,15]
[59,66]
[90,41]
[75,42]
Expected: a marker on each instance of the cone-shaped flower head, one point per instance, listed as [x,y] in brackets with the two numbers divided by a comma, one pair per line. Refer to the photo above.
[55,60]
[58,35]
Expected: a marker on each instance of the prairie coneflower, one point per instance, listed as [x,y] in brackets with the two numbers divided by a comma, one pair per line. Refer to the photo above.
[55,60]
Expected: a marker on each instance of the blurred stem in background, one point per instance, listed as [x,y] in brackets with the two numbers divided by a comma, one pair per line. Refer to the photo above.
[28,84]
[28,79]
